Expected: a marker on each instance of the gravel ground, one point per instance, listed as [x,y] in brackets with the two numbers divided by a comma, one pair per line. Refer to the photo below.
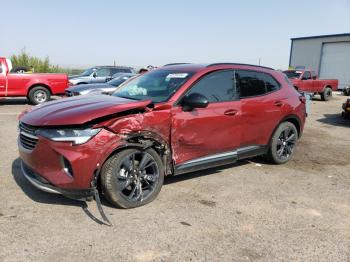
[250,211]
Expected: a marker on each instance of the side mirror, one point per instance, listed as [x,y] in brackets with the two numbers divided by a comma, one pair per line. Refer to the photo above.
[94,74]
[194,100]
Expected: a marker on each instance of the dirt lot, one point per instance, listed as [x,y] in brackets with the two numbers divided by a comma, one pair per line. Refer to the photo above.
[251,211]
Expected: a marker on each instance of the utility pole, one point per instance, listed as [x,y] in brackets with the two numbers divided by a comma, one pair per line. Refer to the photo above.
[114,62]
[259,60]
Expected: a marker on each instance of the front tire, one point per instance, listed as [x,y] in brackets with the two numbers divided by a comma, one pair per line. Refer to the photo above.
[282,144]
[39,95]
[132,177]
[326,94]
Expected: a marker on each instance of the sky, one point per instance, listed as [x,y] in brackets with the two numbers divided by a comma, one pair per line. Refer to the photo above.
[155,32]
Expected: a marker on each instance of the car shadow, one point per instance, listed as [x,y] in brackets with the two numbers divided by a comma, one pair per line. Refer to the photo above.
[13,101]
[334,120]
[18,101]
[47,198]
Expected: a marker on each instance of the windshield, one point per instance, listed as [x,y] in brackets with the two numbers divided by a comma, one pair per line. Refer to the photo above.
[118,81]
[88,72]
[158,85]
[292,74]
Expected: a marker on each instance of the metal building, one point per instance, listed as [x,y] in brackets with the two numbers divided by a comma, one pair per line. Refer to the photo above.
[329,55]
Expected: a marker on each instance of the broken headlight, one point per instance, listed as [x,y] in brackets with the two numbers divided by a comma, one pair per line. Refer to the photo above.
[76,136]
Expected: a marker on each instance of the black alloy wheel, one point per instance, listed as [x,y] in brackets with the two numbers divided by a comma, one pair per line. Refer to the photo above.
[133,177]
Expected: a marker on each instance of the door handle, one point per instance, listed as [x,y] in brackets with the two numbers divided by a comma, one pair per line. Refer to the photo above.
[230,112]
[278,103]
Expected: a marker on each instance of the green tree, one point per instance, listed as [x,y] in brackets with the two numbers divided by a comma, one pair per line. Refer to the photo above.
[39,65]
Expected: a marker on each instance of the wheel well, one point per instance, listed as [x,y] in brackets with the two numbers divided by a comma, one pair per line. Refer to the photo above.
[327,86]
[292,119]
[39,85]
[295,122]
[144,141]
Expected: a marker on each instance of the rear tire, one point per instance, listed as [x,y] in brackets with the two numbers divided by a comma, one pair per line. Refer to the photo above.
[38,95]
[326,94]
[132,177]
[281,148]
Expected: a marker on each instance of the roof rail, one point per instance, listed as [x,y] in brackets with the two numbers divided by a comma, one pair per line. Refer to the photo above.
[171,64]
[239,64]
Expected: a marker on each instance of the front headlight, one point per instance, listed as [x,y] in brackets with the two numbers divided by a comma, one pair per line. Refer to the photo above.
[77,136]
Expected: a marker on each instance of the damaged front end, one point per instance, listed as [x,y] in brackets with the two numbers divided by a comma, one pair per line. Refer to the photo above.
[66,156]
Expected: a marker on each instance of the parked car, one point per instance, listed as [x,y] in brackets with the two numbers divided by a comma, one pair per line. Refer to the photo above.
[38,88]
[170,121]
[100,88]
[100,74]
[346,91]
[308,81]
[346,109]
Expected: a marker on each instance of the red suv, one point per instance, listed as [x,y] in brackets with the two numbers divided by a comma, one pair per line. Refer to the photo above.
[173,120]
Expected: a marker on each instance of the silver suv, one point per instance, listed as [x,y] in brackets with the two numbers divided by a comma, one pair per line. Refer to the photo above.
[100,74]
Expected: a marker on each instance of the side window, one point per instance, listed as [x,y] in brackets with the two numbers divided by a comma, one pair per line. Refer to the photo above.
[306,75]
[313,75]
[249,83]
[102,72]
[270,83]
[216,87]
[0,68]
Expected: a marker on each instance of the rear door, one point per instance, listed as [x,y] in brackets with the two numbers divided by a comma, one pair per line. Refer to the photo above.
[205,132]
[2,80]
[261,106]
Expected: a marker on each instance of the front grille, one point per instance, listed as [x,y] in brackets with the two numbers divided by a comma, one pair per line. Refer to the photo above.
[27,136]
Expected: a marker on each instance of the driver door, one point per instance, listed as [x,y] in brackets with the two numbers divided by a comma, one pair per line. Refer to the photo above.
[307,82]
[207,133]
[2,80]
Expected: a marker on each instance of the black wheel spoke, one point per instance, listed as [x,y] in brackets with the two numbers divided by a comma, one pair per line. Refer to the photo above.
[125,184]
[145,160]
[133,161]
[290,138]
[127,163]
[280,151]
[132,193]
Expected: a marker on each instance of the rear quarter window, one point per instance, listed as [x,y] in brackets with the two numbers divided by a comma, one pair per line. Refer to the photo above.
[252,83]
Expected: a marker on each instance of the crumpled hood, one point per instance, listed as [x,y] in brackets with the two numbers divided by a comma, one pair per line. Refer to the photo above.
[78,110]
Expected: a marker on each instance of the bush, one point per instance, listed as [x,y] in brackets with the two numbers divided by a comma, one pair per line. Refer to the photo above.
[39,65]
